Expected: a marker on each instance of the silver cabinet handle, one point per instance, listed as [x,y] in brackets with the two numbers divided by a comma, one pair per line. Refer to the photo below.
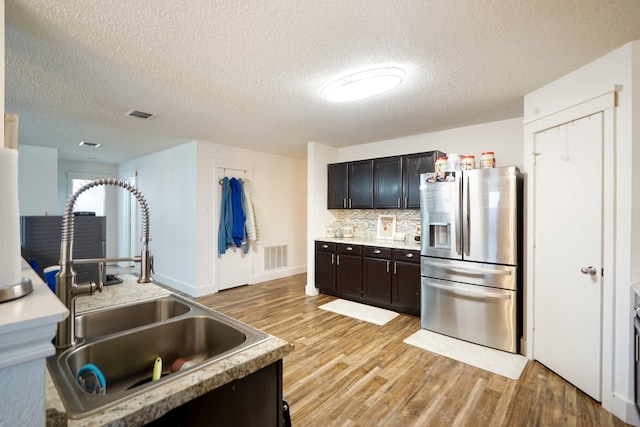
[337,259]
[388,262]
[333,258]
[469,270]
[377,251]
[399,202]
[325,246]
[591,271]
[471,292]
[349,248]
[409,255]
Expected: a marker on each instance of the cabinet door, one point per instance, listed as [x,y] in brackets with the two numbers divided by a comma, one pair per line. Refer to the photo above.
[387,183]
[413,165]
[406,286]
[361,184]
[326,270]
[337,186]
[349,275]
[377,279]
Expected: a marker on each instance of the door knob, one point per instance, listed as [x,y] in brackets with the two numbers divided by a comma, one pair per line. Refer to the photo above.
[591,271]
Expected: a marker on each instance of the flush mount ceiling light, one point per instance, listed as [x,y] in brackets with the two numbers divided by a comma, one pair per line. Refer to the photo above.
[363,84]
[89,144]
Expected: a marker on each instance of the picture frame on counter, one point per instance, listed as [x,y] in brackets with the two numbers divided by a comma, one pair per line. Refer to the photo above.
[386,226]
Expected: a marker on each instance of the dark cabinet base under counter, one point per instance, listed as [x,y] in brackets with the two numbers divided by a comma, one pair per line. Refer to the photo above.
[383,275]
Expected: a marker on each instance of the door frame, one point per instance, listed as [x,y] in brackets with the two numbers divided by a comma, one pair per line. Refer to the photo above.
[606,104]
[247,168]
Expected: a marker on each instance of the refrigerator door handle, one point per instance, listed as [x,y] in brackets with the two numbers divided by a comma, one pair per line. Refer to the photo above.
[470,292]
[458,231]
[496,271]
[467,237]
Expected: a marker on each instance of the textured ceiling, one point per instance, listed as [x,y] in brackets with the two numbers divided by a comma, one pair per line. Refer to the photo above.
[248,73]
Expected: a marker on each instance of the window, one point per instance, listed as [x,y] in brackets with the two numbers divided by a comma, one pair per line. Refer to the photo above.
[91,200]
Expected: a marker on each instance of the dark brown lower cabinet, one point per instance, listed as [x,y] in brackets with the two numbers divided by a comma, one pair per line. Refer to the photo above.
[378,276]
[325,273]
[252,401]
[349,270]
[376,269]
[406,281]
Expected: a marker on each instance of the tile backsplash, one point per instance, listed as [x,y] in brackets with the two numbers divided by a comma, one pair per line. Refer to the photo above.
[365,221]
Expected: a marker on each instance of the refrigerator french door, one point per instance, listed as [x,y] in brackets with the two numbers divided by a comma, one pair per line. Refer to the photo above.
[471,255]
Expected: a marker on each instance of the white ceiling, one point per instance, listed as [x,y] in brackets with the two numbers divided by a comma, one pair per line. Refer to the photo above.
[248,73]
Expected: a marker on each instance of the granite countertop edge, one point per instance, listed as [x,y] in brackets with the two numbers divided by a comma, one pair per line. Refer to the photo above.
[152,404]
[382,243]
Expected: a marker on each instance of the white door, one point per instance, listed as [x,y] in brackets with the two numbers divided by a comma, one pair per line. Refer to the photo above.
[234,266]
[568,248]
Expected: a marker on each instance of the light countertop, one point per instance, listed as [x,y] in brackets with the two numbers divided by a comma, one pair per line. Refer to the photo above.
[408,243]
[145,407]
[28,323]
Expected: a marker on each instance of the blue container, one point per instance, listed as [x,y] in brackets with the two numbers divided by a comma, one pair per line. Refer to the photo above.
[50,276]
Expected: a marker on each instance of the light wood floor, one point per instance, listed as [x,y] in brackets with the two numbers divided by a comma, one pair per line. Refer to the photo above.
[345,372]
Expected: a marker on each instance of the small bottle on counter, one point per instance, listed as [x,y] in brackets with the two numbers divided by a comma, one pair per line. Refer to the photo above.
[453,162]
[468,162]
[441,164]
[488,160]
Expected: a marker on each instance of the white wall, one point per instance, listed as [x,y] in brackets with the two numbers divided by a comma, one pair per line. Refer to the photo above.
[182,190]
[279,193]
[167,180]
[37,180]
[620,69]
[503,137]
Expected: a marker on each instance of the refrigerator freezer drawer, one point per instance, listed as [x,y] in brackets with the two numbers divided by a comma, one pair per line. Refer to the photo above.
[477,314]
[496,276]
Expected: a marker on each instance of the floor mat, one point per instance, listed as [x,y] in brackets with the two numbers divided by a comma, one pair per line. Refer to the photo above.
[370,314]
[498,362]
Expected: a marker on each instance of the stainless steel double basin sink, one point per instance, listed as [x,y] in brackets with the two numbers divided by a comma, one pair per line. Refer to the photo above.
[124,341]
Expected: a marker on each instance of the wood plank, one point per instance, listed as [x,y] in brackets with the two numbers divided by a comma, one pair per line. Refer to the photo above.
[346,372]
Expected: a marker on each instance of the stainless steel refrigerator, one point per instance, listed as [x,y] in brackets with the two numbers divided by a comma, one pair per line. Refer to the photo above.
[471,263]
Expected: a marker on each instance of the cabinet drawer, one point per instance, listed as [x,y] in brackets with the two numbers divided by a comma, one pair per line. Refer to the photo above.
[374,252]
[325,246]
[406,255]
[344,248]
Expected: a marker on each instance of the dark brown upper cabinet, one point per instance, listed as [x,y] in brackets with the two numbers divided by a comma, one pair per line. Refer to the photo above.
[350,185]
[383,183]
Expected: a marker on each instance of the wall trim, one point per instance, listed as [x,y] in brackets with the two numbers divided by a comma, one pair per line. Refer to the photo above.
[572,113]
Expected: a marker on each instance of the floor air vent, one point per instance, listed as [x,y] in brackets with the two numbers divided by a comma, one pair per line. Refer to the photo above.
[275,257]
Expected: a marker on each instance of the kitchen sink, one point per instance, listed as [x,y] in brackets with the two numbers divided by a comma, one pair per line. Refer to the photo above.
[128,316]
[125,355]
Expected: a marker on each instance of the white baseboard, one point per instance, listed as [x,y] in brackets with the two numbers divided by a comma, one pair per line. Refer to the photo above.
[624,409]
[177,285]
[278,274]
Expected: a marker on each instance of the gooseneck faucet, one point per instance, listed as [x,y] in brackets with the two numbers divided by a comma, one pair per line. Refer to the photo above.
[66,287]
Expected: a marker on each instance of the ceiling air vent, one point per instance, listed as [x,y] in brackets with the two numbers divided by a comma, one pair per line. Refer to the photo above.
[139,114]
[89,144]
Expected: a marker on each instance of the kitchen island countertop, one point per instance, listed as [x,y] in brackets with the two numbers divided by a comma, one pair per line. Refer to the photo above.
[145,407]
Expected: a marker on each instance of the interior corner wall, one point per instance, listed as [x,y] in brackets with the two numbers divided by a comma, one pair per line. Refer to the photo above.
[318,157]
[37,180]
[167,180]
[279,192]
